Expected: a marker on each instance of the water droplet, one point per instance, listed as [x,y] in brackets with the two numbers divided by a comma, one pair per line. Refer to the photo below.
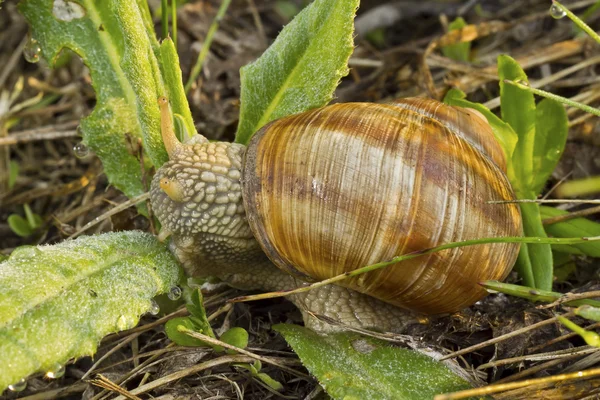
[32,51]
[174,293]
[25,252]
[67,10]
[19,386]
[57,371]
[154,308]
[557,12]
[81,150]
[124,322]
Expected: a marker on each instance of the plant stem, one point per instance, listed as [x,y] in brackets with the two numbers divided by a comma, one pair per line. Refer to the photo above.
[174,21]
[206,45]
[582,25]
[164,17]
[373,267]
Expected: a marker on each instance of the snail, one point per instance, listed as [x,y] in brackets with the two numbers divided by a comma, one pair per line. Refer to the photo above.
[338,188]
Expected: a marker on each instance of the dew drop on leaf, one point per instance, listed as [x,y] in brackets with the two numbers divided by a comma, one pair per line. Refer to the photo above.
[19,386]
[67,10]
[57,371]
[32,51]
[25,252]
[80,150]
[557,12]
[124,323]
[174,293]
[154,308]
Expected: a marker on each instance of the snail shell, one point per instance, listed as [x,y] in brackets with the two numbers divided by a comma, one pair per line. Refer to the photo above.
[349,185]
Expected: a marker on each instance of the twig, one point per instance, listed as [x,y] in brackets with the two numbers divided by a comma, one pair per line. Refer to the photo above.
[217,342]
[110,352]
[116,210]
[506,336]
[486,390]
[571,215]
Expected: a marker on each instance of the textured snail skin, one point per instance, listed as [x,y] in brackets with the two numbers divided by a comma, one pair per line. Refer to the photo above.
[349,185]
[211,237]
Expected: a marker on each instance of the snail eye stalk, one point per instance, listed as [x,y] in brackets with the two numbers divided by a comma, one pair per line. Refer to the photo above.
[173,189]
[172,144]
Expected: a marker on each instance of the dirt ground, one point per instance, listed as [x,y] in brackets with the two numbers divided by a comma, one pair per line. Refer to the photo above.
[66,187]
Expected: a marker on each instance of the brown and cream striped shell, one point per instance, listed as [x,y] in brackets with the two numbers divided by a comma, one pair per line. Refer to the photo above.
[348,185]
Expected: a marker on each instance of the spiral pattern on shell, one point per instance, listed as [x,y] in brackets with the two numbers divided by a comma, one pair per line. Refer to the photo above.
[349,185]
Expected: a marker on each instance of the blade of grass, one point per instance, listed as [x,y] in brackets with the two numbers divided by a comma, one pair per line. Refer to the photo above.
[164,18]
[373,267]
[206,45]
[174,21]
[582,25]
[532,294]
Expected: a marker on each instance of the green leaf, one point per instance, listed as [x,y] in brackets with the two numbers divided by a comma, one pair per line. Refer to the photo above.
[518,110]
[19,225]
[57,302]
[576,227]
[235,336]
[588,312]
[197,321]
[301,69]
[458,51]
[113,39]
[350,366]
[169,66]
[551,129]
[272,383]
[181,338]
[539,254]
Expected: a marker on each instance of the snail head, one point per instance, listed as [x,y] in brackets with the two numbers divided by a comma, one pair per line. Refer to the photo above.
[198,190]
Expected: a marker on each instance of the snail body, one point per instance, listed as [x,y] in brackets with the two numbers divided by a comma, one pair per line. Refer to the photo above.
[337,188]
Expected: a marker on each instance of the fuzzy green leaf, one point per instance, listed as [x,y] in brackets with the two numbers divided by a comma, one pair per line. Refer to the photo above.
[57,302]
[173,333]
[551,129]
[301,69]
[112,38]
[350,366]
[169,66]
